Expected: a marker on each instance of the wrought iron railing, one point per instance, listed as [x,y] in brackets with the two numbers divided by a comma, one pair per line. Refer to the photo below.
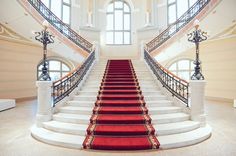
[61,26]
[177,86]
[68,83]
[176,26]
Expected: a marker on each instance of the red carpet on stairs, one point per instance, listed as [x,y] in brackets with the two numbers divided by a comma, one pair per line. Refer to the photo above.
[120,120]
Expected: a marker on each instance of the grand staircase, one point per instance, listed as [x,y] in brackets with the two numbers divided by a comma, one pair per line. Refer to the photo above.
[173,127]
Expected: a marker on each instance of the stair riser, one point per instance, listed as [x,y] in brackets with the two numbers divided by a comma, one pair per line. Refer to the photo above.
[66,131]
[176,131]
[68,120]
[91,104]
[81,98]
[163,111]
[158,104]
[88,93]
[154,98]
[82,112]
[152,93]
[169,120]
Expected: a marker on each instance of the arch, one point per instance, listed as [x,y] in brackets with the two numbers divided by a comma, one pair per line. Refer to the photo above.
[182,67]
[63,68]
[118,19]
[129,2]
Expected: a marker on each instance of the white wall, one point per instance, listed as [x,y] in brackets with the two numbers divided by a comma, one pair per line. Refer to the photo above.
[18,68]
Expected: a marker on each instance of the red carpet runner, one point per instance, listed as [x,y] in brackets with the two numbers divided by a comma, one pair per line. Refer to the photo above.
[120,120]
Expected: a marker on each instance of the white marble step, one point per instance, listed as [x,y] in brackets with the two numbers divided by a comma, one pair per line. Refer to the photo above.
[149,89]
[152,93]
[169,118]
[159,103]
[91,93]
[72,118]
[176,127]
[163,110]
[185,139]
[81,103]
[154,97]
[85,97]
[68,128]
[77,110]
[59,139]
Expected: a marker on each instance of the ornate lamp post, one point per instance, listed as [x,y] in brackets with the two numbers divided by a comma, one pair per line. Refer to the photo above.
[45,38]
[196,37]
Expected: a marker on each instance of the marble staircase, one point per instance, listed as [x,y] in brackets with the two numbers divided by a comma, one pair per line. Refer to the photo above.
[173,126]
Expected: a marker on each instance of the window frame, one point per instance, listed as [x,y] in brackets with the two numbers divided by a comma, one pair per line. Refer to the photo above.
[61,71]
[62,4]
[176,8]
[177,70]
[123,31]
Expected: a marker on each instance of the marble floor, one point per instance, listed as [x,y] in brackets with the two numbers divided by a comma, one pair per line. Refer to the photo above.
[15,138]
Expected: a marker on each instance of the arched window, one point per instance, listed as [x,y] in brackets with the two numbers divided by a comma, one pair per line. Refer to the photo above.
[57,69]
[61,8]
[183,68]
[118,28]
[177,8]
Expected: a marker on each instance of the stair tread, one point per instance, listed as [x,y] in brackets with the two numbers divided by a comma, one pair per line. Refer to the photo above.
[187,138]
[60,139]
[175,125]
[64,125]
[75,116]
[171,115]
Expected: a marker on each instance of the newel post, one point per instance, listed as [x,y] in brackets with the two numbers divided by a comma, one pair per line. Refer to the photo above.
[197,94]
[44,110]
[97,50]
[142,48]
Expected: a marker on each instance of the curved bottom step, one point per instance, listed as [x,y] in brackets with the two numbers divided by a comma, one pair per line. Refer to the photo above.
[166,141]
[59,139]
[185,139]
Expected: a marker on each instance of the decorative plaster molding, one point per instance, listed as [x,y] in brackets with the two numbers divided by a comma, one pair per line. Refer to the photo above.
[10,34]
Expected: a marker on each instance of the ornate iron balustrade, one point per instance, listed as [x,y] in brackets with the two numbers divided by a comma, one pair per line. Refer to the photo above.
[177,86]
[61,26]
[68,83]
[176,26]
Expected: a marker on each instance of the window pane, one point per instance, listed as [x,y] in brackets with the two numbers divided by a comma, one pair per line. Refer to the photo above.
[173,67]
[184,75]
[40,66]
[192,65]
[118,20]
[126,8]
[182,7]
[118,38]
[109,38]
[55,75]
[54,65]
[56,8]
[191,2]
[64,73]
[110,8]
[66,1]
[65,67]
[118,4]
[172,14]
[174,73]
[110,22]
[46,3]
[66,14]
[183,65]
[171,1]
[127,22]
[126,37]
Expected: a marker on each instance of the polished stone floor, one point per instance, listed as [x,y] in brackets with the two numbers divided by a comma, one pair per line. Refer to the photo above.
[15,138]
